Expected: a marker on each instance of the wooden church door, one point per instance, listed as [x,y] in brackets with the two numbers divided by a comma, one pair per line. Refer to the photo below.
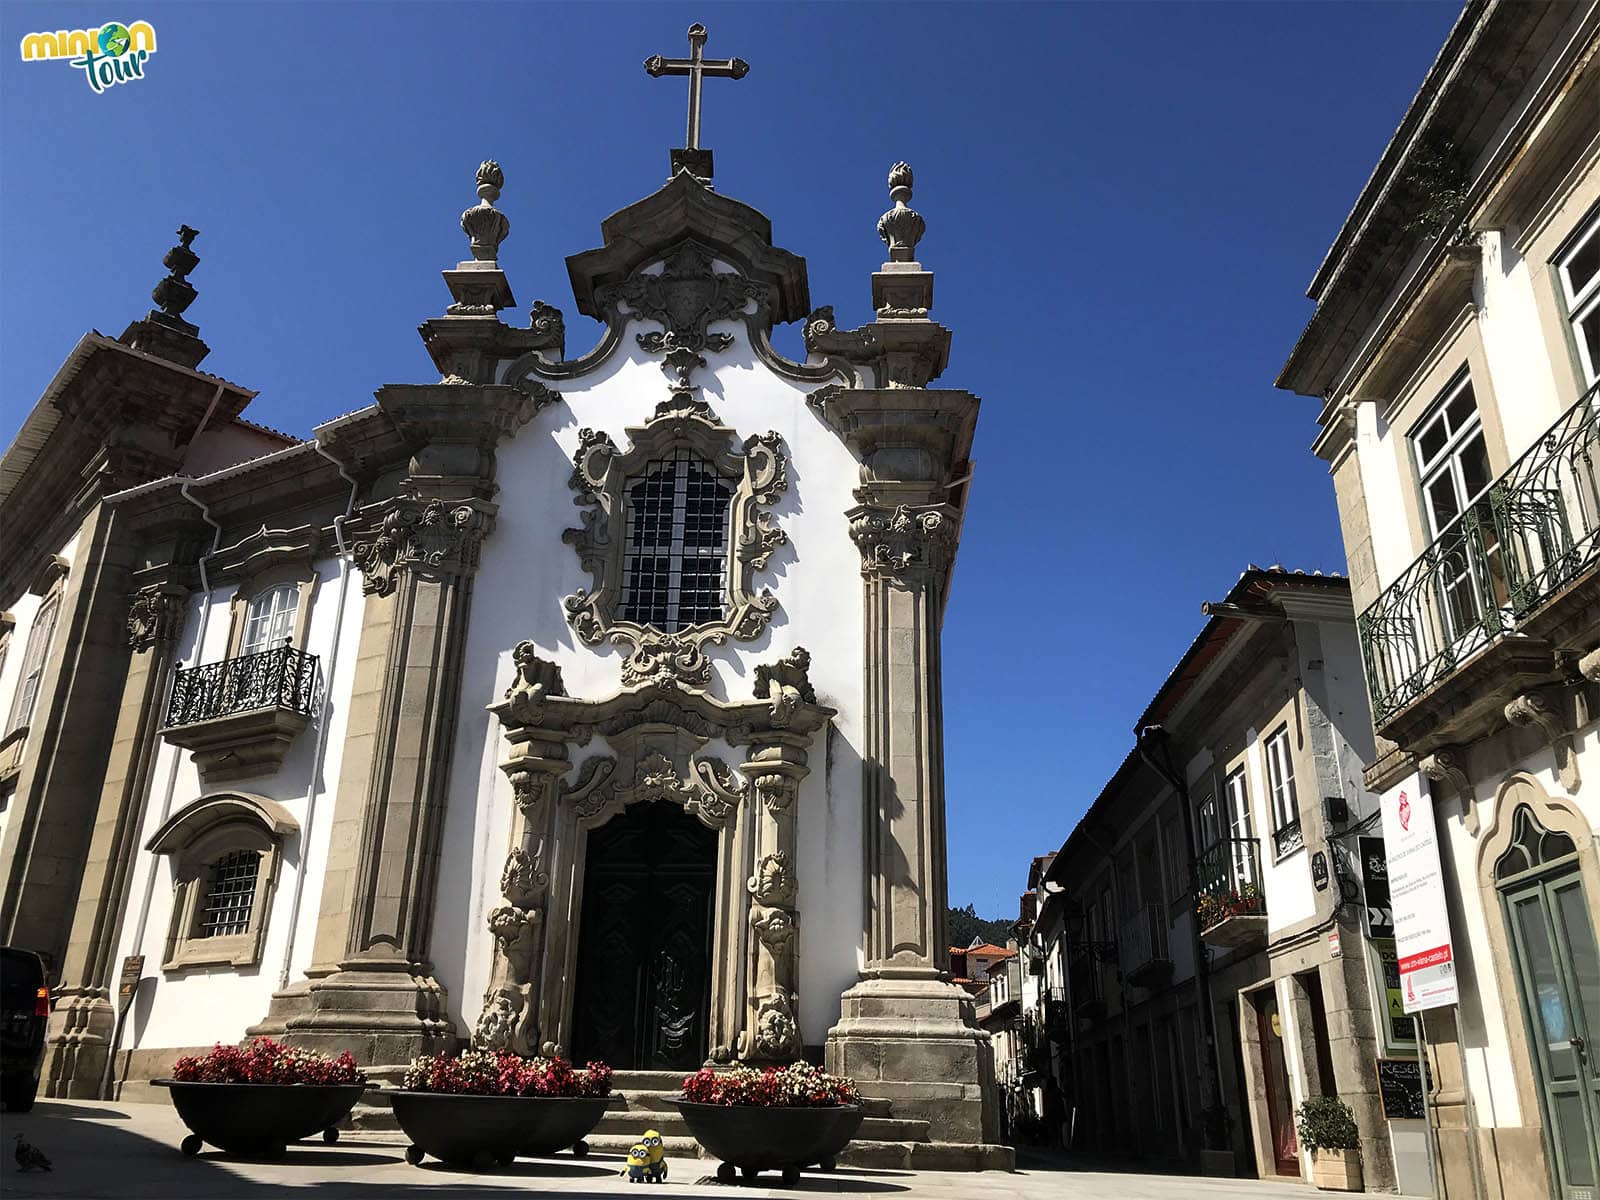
[643,998]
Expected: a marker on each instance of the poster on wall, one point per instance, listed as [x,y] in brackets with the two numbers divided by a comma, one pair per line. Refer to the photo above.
[1426,958]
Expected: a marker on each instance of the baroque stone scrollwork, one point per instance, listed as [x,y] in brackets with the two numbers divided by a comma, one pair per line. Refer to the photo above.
[709,791]
[154,615]
[758,474]
[904,542]
[685,297]
[413,531]
[1542,708]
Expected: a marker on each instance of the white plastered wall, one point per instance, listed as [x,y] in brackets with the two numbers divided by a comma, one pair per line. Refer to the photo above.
[526,569]
[203,1005]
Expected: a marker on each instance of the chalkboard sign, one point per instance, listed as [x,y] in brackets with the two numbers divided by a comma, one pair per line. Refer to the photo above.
[1400,1086]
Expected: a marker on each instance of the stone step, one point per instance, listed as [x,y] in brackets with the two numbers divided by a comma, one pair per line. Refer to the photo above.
[927,1156]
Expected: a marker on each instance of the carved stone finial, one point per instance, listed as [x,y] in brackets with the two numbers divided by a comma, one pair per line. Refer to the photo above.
[485,225]
[175,293]
[902,227]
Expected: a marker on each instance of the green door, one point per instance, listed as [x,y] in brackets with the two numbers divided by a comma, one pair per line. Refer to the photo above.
[1558,969]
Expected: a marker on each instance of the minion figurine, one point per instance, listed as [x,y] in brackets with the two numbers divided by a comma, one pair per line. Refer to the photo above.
[657,1171]
[638,1163]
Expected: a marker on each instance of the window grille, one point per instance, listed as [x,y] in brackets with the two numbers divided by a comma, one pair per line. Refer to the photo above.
[674,572]
[231,895]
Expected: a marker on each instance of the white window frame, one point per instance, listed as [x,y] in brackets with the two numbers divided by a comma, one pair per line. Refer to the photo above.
[1447,460]
[1582,303]
[1280,779]
[269,619]
[1241,826]
[41,632]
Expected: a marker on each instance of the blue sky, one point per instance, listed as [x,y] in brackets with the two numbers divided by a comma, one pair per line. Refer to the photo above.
[1124,204]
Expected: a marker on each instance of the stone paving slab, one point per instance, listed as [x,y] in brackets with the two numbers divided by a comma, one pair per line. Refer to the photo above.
[118,1151]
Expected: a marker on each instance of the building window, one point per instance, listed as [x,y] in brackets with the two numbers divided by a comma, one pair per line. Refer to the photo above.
[1286,833]
[33,661]
[269,619]
[1451,456]
[1578,265]
[674,573]
[230,895]
[1241,839]
[224,851]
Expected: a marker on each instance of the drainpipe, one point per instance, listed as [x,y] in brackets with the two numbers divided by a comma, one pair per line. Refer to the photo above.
[327,710]
[143,922]
[1147,738]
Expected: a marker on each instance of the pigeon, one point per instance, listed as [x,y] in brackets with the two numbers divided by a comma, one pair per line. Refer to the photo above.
[29,1157]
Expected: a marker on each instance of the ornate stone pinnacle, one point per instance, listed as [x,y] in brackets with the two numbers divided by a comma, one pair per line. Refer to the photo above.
[485,225]
[175,293]
[901,228]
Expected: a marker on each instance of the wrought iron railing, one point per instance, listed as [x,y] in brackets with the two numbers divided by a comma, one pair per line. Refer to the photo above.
[281,678]
[1533,532]
[1286,839]
[1227,881]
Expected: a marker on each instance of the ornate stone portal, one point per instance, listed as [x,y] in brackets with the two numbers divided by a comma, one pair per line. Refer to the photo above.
[656,734]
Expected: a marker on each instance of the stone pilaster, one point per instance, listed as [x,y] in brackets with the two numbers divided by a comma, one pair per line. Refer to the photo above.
[82,1026]
[512,1018]
[905,1032]
[380,999]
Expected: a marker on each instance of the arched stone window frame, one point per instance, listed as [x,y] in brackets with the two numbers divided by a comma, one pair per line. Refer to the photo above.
[195,838]
[261,562]
[757,469]
[1557,814]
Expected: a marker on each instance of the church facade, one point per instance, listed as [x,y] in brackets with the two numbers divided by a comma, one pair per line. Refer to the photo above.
[580,702]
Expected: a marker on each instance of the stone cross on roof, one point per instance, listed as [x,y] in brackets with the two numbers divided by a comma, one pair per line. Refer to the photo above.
[696,67]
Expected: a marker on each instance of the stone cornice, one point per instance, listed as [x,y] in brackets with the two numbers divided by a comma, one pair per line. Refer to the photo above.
[880,425]
[453,428]
[262,551]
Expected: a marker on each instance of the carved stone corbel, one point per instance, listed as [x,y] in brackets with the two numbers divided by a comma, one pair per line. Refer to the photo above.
[1541,708]
[1447,765]
[1589,665]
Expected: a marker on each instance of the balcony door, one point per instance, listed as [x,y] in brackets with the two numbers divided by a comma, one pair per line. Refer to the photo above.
[1241,831]
[1453,464]
[1558,977]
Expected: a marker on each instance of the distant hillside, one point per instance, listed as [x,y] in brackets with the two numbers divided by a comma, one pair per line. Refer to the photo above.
[965,924]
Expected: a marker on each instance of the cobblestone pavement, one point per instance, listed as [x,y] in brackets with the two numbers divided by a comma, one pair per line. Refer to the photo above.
[130,1150]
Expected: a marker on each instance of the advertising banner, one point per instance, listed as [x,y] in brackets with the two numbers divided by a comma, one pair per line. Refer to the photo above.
[1417,898]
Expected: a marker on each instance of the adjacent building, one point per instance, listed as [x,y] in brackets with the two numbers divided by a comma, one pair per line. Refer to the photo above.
[1455,353]
[1203,962]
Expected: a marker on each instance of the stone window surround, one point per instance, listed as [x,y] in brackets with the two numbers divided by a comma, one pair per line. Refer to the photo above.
[757,470]
[196,837]
[1585,233]
[261,561]
[1541,243]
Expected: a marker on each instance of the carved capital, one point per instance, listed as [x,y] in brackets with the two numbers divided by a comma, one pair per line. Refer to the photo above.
[411,532]
[155,615]
[910,544]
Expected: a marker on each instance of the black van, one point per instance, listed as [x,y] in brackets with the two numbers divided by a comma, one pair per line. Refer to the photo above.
[24,1010]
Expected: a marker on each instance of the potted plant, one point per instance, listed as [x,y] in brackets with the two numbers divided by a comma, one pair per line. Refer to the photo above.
[770,1120]
[1328,1129]
[255,1099]
[484,1107]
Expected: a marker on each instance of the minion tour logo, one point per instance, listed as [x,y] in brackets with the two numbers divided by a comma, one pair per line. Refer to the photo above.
[115,53]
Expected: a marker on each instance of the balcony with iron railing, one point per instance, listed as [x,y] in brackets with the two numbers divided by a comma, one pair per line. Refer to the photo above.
[1145,959]
[1230,905]
[1531,534]
[239,716]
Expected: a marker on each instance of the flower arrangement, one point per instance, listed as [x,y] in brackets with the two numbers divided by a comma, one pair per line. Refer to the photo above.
[1214,907]
[501,1073]
[266,1061]
[799,1085]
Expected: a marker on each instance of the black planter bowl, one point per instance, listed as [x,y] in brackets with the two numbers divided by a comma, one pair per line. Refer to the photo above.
[750,1138]
[257,1120]
[483,1131]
